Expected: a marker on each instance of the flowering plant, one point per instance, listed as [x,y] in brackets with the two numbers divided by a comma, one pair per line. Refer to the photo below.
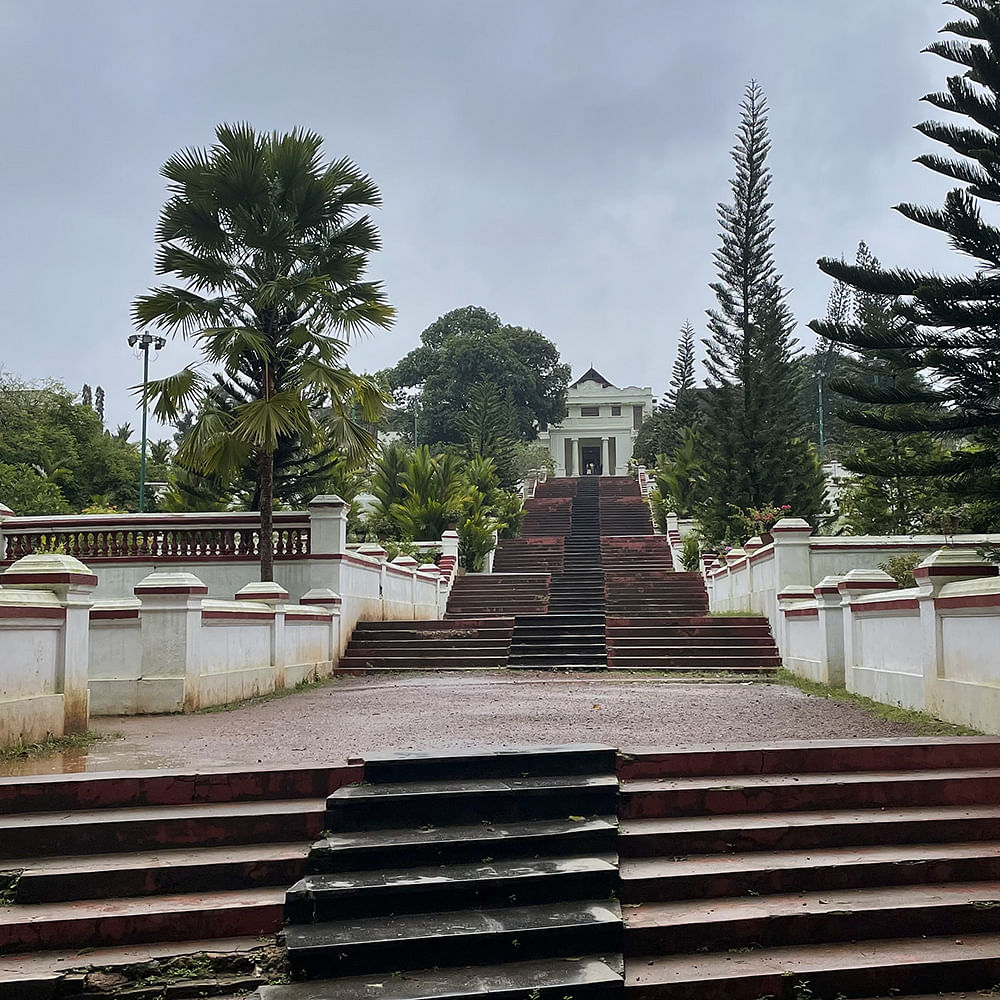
[758,520]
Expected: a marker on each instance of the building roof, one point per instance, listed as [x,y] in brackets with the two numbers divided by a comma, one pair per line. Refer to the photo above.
[593,375]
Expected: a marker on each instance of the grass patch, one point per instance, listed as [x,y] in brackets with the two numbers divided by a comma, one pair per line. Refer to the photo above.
[922,723]
[263,699]
[20,750]
[739,613]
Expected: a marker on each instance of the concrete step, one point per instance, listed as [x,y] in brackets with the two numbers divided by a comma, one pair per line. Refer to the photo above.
[662,642]
[493,935]
[104,831]
[426,661]
[580,978]
[688,835]
[90,790]
[516,762]
[810,918]
[416,627]
[814,870]
[808,792]
[895,966]
[147,873]
[133,920]
[809,757]
[455,886]
[686,621]
[693,662]
[345,852]
[498,799]
[48,975]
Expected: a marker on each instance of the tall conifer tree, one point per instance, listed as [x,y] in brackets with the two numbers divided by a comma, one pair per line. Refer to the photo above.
[947,328]
[754,448]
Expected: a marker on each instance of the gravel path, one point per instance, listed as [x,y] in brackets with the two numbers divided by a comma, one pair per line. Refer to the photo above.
[435,711]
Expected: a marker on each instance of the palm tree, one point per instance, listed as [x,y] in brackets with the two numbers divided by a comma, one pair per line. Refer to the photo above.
[269,244]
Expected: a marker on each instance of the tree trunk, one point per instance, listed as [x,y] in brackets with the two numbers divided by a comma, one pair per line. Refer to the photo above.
[265,478]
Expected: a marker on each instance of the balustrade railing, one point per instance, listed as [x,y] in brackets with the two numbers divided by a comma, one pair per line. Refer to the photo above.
[163,537]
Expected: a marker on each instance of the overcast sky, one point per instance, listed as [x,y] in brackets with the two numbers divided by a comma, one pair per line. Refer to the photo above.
[556,161]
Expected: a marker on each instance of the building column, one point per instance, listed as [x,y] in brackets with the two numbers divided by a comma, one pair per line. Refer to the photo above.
[579,456]
[605,460]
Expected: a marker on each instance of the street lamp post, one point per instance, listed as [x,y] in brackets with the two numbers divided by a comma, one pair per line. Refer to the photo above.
[144,341]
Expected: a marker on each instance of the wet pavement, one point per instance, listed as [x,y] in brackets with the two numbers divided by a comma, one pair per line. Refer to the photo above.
[351,716]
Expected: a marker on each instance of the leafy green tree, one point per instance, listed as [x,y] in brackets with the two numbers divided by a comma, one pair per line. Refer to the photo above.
[271,250]
[680,477]
[470,345]
[28,494]
[63,442]
[435,490]
[948,328]
[663,430]
[755,453]
[488,430]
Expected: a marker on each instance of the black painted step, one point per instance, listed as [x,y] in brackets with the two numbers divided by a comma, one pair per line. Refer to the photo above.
[469,801]
[584,978]
[489,883]
[454,844]
[493,762]
[513,933]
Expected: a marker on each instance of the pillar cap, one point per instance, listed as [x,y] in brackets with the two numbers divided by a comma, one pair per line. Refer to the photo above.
[263,592]
[954,561]
[328,500]
[791,526]
[373,551]
[167,584]
[322,595]
[871,580]
[48,571]
[408,561]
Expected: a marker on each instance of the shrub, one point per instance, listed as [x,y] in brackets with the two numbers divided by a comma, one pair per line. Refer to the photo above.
[901,568]
[690,553]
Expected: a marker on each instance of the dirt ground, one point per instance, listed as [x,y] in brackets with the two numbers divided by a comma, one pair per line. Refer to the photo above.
[350,716]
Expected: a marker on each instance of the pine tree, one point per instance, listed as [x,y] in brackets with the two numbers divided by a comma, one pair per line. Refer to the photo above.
[755,451]
[488,428]
[87,396]
[99,402]
[947,329]
[682,380]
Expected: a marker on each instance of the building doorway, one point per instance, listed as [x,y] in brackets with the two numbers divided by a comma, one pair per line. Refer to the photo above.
[590,459]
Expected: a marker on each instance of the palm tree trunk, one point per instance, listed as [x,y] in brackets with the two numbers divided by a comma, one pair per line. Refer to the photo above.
[265,478]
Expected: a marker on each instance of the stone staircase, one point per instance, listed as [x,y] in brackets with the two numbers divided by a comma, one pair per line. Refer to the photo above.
[695,644]
[623,511]
[450,644]
[571,634]
[129,867]
[466,875]
[796,870]
[529,554]
[499,595]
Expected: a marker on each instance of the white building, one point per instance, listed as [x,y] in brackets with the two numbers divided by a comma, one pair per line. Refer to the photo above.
[598,433]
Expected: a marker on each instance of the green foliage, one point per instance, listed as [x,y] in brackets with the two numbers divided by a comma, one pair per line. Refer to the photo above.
[690,553]
[758,520]
[658,510]
[271,247]
[469,346]
[488,429]
[62,456]
[476,532]
[532,460]
[901,568]
[942,333]
[434,493]
[680,477]
[28,494]
[753,447]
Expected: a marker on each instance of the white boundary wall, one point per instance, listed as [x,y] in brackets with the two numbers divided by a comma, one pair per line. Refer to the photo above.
[933,647]
[168,647]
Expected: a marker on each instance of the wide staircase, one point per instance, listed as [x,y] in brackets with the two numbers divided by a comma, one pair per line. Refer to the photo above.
[571,633]
[116,870]
[451,644]
[792,871]
[799,871]
[587,586]
[467,875]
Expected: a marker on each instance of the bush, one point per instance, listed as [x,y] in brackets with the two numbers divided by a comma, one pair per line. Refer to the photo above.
[901,568]
[690,553]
